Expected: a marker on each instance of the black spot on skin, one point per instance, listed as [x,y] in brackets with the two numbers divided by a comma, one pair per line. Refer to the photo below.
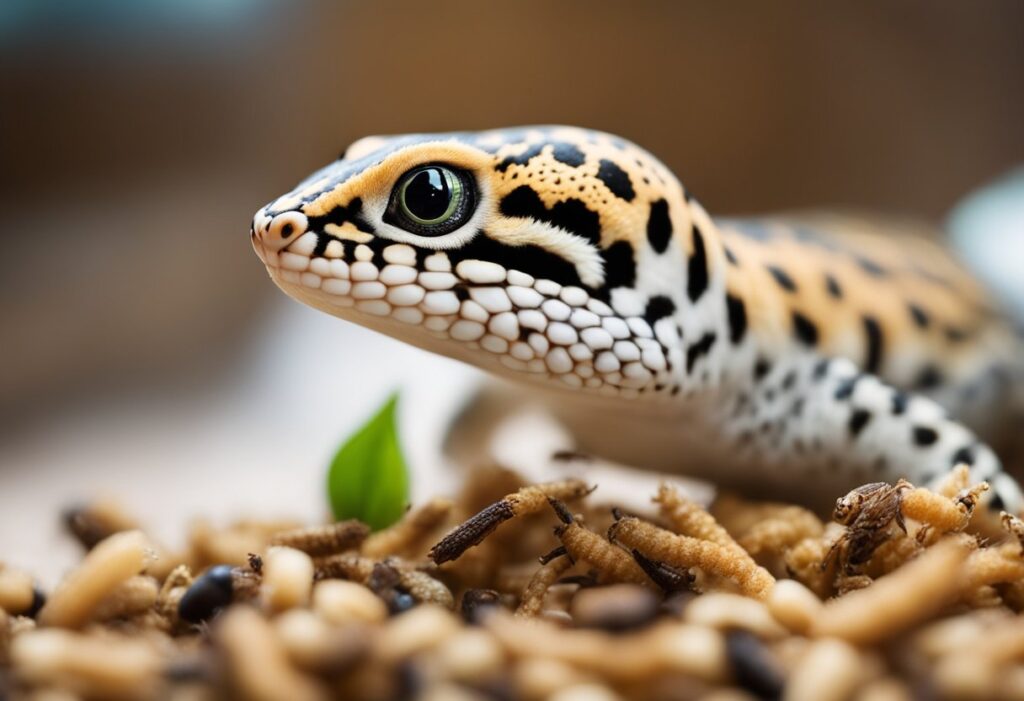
[920,316]
[804,329]
[730,256]
[350,213]
[658,306]
[821,369]
[522,159]
[619,266]
[571,214]
[871,267]
[832,285]
[789,380]
[929,378]
[568,154]
[616,179]
[858,420]
[955,335]
[964,456]
[659,226]
[697,272]
[924,436]
[846,388]
[530,259]
[762,368]
[322,240]
[783,278]
[696,350]
[899,403]
[421,255]
[737,318]
[873,335]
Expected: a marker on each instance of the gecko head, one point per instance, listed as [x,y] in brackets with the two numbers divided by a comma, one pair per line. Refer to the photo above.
[514,250]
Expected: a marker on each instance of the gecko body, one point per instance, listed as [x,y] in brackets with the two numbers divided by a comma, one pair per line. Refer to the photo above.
[777,355]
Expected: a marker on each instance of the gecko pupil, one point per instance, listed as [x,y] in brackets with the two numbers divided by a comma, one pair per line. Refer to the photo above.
[431,200]
[428,193]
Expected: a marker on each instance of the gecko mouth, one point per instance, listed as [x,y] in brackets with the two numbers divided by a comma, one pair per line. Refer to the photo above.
[527,325]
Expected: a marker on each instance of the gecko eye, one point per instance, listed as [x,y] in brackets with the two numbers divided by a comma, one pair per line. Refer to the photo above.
[431,200]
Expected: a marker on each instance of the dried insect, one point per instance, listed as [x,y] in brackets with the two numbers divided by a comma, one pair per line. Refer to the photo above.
[419,585]
[691,519]
[553,566]
[867,512]
[670,579]
[582,544]
[684,551]
[782,529]
[527,500]
[327,539]
[938,513]
[895,603]
[611,628]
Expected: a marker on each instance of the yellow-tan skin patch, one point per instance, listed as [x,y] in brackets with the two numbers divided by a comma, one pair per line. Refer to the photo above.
[837,288]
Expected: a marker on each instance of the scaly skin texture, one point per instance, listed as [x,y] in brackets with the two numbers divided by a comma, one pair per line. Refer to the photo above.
[777,355]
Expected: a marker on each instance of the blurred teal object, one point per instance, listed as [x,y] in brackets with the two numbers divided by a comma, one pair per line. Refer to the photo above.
[21,17]
[987,228]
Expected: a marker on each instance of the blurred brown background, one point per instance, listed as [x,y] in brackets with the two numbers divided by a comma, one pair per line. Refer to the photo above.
[137,138]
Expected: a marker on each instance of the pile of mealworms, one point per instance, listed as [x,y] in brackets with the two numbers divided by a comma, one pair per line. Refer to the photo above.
[539,591]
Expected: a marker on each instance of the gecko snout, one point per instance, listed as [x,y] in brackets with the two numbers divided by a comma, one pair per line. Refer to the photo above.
[275,231]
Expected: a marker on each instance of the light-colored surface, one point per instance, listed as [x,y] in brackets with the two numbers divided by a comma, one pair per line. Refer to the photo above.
[256,444]
[987,228]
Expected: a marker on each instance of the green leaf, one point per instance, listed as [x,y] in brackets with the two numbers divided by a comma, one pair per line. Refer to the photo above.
[368,478]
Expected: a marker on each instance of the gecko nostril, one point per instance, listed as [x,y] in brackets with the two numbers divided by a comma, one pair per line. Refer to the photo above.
[287,225]
[277,231]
